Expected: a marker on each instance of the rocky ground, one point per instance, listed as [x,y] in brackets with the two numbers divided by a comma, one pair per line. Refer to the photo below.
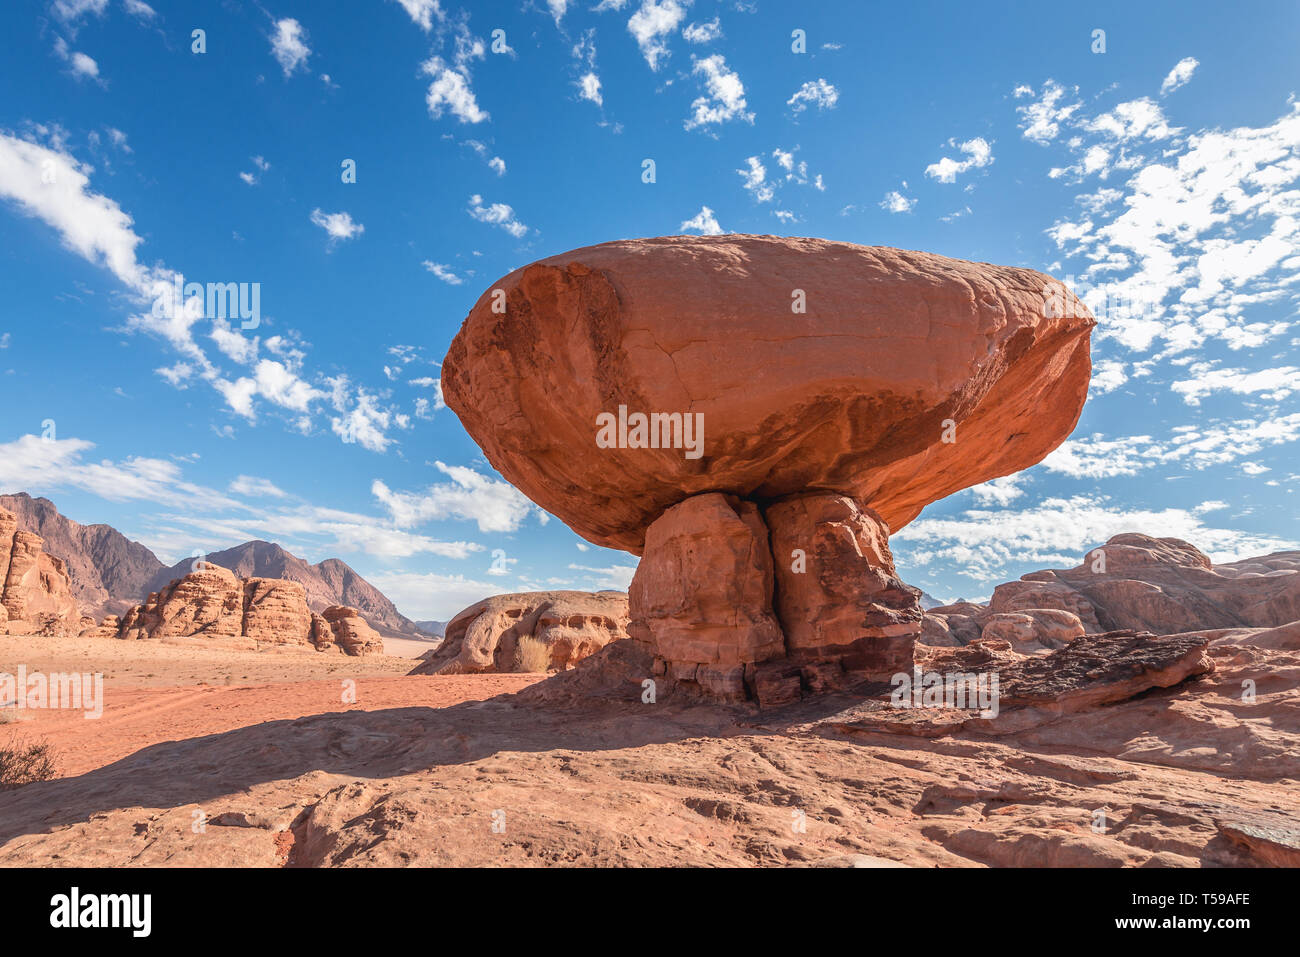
[576,769]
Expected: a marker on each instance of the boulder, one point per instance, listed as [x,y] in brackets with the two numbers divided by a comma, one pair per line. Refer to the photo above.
[677,397]
[487,636]
[893,352]
[352,634]
[1046,627]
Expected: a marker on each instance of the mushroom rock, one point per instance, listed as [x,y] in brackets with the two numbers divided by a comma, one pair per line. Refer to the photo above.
[614,384]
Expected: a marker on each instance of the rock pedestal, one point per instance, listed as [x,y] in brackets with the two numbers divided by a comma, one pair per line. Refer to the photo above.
[716,403]
[737,607]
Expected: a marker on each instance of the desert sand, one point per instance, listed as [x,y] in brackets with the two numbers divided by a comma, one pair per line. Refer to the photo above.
[273,770]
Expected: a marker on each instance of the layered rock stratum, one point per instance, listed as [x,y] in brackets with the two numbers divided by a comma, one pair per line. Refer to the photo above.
[495,634]
[213,605]
[693,399]
[1158,585]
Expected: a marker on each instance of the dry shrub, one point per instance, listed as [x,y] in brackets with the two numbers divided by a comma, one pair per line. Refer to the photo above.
[532,655]
[24,763]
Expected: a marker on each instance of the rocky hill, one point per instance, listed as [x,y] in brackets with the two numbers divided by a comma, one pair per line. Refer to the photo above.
[109,572]
[1164,586]
[330,582]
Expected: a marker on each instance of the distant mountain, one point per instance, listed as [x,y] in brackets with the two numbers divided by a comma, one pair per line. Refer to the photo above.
[929,601]
[437,629]
[109,572]
[330,582]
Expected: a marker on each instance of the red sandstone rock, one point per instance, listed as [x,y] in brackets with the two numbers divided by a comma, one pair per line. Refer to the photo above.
[1162,585]
[702,594]
[837,595]
[351,632]
[851,395]
[212,604]
[486,636]
[35,591]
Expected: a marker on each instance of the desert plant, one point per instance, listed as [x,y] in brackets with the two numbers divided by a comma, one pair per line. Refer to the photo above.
[24,763]
[532,655]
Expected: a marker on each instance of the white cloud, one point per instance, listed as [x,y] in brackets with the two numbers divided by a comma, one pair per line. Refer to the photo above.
[1196,238]
[1180,74]
[1272,384]
[450,90]
[707,32]
[432,596]
[35,464]
[443,272]
[80,64]
[589,88]
[423,12]
[1000,491]
[704,222]
[816,93]
[755,180]
[289,45]
[726,94]
[1197,446]
[339,226]
[497,214]
[653,21]
[1041,119]
[495,505]
[978,154]
[71,11]
[896,202]
[254,487]
[364,423]
[610,577]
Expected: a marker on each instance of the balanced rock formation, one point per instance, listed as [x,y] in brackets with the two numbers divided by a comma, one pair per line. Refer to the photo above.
[504,632]
[212,604]
[1165,586]
[35,591]
[617,384]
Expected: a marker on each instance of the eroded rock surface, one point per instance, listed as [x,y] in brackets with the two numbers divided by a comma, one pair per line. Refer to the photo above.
[851,395]
[682,397]
[212,604]
[569,625]
[1164,586]
[35,591]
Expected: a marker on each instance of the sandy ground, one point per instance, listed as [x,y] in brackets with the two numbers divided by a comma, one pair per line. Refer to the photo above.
[275,769]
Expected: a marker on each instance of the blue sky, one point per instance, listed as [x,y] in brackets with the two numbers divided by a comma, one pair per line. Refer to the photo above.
[1161,173]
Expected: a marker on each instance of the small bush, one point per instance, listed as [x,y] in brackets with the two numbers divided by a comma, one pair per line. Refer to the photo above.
[23,763]
[532,655]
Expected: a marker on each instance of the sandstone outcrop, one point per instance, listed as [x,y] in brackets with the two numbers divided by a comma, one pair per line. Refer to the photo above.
[715,403]
[212,604]
[492,635]
[35,591]
[1164,586]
